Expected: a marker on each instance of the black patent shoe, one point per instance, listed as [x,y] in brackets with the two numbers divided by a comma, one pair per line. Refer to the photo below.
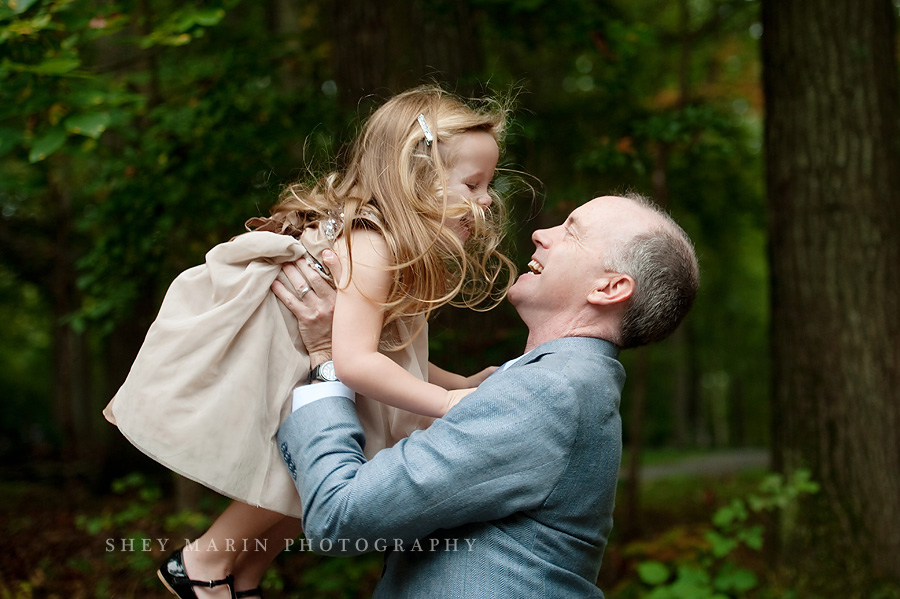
[174,576]
[257,592]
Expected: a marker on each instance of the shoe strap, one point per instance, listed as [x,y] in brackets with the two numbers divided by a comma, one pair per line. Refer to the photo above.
[229,580]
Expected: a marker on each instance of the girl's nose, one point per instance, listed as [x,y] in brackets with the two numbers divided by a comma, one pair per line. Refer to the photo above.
[484,200]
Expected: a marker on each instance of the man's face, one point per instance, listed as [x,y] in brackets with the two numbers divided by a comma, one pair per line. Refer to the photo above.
[569,258]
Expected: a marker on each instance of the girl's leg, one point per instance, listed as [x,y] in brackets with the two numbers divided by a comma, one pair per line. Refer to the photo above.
[253,563]
[213,555]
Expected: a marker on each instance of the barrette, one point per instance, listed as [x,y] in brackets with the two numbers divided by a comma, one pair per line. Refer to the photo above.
[428,136]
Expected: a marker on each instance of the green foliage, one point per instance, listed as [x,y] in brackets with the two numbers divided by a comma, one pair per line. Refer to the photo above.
[653,573]
[161,137]
[137,511]
[22,590]
[128,529]
[341,578]
[124,528]
[712,568]
[182,25]
[51,87]
[134,136]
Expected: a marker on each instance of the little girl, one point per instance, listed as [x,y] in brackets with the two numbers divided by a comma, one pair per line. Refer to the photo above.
[212,382]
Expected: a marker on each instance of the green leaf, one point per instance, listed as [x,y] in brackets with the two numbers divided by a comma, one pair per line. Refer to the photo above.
[752,536]
[54,66]
[9,8]
[692,582]
[188,19]
[735,580]
[662,593]
[209,17]
[735,511]
[20,6]
[653,573]
[47,144]
[694,576]
[89,124]
[723,517]
[719,544]
[803,482]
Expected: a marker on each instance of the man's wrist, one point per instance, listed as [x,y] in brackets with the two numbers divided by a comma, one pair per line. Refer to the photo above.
[319,357]
[307,394]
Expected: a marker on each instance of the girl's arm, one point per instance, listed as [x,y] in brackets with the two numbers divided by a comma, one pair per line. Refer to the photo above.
[358,320]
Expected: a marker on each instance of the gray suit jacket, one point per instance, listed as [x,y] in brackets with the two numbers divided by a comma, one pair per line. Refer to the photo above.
[509,495]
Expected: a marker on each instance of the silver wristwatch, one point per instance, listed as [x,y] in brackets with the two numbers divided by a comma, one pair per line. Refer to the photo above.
[323,372]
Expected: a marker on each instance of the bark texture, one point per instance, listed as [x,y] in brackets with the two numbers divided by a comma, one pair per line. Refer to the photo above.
[384,48]
[830,81]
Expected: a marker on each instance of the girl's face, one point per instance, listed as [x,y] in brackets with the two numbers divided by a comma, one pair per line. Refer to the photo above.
[471,158]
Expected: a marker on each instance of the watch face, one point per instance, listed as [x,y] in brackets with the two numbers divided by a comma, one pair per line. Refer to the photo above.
[326,371]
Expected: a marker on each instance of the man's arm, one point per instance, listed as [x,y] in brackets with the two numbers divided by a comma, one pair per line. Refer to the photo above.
[498,452]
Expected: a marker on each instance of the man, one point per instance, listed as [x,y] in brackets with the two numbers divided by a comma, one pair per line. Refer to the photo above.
[511,493]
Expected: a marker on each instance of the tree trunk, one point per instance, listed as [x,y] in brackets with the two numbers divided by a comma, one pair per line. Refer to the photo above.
[830,82]
[70,393]
[121,345]
[633,522]
[383,48]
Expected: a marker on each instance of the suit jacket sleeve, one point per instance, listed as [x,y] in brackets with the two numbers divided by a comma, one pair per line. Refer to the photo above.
[499,451]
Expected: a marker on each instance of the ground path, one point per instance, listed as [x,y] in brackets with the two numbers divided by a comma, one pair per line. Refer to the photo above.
[715,463]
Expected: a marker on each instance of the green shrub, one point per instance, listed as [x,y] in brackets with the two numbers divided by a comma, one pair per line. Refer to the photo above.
[705,564]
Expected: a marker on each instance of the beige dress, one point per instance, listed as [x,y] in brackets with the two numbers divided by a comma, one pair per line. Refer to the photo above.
[213,380]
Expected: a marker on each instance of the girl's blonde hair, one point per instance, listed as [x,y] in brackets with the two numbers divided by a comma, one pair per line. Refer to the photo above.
[396,182]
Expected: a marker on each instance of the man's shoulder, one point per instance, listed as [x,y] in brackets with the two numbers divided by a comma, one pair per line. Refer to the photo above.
[575,351]
[582,368]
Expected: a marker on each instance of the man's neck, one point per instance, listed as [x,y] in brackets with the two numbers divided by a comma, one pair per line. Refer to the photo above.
[534,340]
[538,335]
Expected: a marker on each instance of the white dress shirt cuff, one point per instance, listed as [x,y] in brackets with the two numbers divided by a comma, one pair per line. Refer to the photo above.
[306,394]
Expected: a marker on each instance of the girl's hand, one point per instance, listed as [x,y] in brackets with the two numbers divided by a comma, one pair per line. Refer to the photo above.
[478,378]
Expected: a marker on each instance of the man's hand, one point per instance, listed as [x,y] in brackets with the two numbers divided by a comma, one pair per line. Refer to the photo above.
[314,308]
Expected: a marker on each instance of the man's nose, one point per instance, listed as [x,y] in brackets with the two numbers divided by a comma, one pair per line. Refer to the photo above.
[547,237]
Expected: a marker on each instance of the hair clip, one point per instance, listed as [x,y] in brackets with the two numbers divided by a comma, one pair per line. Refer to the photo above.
[428,136]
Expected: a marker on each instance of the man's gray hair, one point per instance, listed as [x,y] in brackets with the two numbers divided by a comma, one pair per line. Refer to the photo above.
[664,267]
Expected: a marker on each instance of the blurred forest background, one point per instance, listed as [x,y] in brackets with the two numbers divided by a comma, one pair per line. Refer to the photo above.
[137,134]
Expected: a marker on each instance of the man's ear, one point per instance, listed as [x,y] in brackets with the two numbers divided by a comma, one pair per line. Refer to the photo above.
[612,288]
